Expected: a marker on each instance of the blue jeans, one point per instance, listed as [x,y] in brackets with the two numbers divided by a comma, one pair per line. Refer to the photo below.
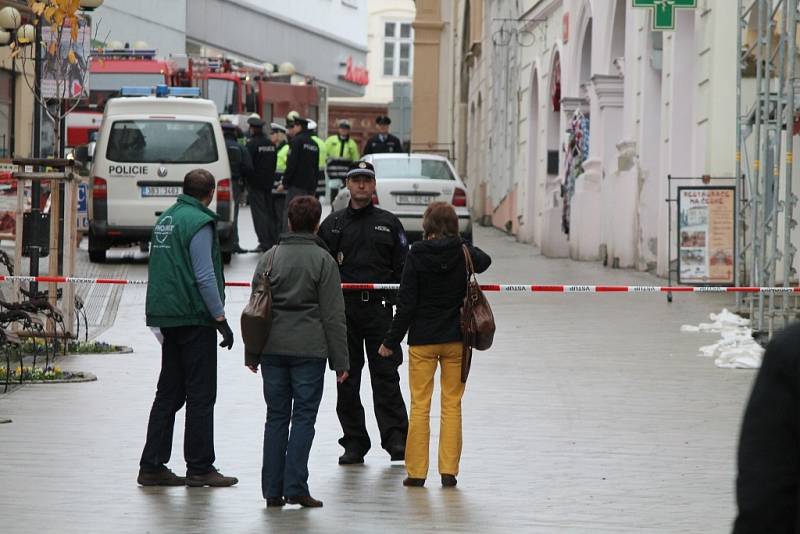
[293,391]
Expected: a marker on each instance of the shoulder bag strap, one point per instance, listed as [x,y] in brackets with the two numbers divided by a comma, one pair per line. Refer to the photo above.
[468,262]
[269,262]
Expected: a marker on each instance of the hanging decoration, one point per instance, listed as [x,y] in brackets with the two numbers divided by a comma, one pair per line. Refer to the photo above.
[576,153]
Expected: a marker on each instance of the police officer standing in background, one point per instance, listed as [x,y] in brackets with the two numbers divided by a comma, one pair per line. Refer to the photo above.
[259,187]
[369,245]
[241,171]
[312,130]
[383,141]
[302,166]
[342,146]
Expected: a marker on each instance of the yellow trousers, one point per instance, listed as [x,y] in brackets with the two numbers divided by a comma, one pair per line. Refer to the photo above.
[423,360]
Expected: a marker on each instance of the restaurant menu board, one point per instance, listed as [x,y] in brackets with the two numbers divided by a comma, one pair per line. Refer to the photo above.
[706,235]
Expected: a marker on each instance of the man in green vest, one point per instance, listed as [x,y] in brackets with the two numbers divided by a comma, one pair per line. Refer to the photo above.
[342,146]
[185,309]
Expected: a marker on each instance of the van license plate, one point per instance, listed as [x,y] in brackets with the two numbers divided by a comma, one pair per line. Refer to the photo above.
[414,200]
[161,190]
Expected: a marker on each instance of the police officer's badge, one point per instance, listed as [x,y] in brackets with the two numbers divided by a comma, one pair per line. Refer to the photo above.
[362,165]
[340,258]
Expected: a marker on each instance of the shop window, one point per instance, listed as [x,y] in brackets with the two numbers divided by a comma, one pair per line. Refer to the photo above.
[398,39]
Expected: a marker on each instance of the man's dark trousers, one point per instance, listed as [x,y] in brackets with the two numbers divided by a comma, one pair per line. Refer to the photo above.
[293,390]
[263,220]
[367,324]
[238,187]
[188,375]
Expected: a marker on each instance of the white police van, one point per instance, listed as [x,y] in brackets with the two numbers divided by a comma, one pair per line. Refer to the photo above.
[149,139]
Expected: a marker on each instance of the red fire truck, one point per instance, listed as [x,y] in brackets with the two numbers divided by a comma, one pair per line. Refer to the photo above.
[109,71]
[240,89]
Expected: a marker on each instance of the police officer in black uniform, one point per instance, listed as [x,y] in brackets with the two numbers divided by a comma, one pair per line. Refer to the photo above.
[370,245]
[302,166]
[241,171]
[383,141]
[259,187]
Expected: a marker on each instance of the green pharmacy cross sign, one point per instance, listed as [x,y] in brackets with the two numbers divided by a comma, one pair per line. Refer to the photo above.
[664,11]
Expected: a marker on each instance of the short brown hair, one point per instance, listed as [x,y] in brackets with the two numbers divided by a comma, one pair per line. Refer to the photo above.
[198,183]
[304,213]
[440,220]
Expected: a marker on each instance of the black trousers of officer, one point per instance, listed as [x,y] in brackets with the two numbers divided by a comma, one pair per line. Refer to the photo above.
[367,323]
[188,376]
[263,218]
[238,187]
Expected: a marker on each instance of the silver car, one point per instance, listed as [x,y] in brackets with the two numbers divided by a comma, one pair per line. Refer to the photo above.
[407,183]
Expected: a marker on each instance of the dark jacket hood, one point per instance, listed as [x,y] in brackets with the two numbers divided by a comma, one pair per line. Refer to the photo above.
[439,255]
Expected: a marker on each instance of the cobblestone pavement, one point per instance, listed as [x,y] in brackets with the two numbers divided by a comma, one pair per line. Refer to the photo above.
[591,413]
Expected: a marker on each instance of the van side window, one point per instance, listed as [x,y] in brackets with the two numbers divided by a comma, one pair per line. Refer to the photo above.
[162,141]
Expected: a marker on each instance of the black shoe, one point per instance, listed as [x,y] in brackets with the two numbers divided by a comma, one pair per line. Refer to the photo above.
[163,477]
[213,478]
[273,502]
[351,458]
[414,482]
[398,453]
[306,501]
[239,250]
[449,481]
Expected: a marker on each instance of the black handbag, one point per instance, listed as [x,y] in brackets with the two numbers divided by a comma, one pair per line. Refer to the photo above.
[256,319]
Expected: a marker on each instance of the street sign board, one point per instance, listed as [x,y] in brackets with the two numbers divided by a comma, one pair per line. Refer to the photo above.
[74,82]
[706,235]
[664,11]
[83,207]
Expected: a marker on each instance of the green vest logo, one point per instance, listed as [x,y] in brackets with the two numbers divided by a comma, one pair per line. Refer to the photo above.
[163,229]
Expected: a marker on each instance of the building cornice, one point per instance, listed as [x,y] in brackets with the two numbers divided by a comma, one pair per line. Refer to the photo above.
[610,90]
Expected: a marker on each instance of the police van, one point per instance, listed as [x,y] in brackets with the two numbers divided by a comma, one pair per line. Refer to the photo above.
[149,139]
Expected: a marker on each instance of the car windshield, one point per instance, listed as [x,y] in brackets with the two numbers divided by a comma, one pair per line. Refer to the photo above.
[162,141]
[405,167]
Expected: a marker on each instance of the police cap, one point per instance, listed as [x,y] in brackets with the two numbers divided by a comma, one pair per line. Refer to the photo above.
[383,119]
[344,124]
[361,168]
[255,122]
[275,127]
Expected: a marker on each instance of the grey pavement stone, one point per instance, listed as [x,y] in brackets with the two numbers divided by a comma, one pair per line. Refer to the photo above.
[591,413]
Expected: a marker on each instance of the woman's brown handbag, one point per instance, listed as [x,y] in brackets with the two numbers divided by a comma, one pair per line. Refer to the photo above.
[257,315]
[477,320]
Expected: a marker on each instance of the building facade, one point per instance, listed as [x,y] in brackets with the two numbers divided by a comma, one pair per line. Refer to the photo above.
[567,116]
[320,38]
[390,62]
[161,25]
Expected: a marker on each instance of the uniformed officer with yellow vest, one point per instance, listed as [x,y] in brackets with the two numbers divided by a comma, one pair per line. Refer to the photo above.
[341,146]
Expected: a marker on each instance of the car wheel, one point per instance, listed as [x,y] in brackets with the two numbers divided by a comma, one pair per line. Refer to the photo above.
[226,257]
[97,256]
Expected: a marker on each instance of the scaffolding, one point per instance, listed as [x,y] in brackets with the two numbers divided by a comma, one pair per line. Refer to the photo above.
[767,43]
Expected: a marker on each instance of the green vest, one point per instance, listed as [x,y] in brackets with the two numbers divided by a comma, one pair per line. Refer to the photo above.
[321,144]
[173,298]
[333,147]
[283,155]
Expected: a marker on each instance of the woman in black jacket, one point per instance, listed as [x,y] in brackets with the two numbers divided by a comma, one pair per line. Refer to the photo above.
[432,290]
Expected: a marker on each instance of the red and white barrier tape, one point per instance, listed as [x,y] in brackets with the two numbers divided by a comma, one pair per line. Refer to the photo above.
[501,288]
